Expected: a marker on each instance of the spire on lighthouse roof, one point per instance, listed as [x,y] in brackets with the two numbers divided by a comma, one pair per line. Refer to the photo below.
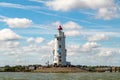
[60,27]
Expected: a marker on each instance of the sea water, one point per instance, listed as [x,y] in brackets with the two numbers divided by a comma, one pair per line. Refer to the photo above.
[58,76]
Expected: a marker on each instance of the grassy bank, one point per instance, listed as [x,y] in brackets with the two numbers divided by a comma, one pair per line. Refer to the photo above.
[59,70]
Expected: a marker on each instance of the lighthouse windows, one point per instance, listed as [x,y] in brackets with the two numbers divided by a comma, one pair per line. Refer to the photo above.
[59,39]
[59,56]
[60,60]
[59,46]
[59,53]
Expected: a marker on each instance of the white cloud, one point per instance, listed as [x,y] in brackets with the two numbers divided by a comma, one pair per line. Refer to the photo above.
[108,56]
[119,51]
[18,22]
[99,32]
[51,43]
[98,37]
[72,33]
[4,45]
[73,49]
[31,39]
[7,34]
[71,25]
[89,46]
[107,13]
[71,28]
[59,4]
[27,54]
[36,40]
[107,9]
[43,53]
[12,5]
[64,5]
[87,49]
[94,56]
[106,53]
[39,40]
[11,44]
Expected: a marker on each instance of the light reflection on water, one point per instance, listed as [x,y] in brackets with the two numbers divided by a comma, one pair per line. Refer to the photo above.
[58,76]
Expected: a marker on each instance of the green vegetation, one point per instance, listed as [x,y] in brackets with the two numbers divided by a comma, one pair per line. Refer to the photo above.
[51,68]
[14,68]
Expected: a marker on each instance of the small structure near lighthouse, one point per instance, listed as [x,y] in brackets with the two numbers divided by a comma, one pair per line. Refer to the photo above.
[59,52]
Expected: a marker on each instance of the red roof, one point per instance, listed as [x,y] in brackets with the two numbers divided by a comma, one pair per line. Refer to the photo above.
[60,28]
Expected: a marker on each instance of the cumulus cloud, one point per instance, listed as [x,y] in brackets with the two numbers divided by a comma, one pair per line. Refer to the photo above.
[73,50]
[18,22]
[108,56]
[106,53]
[107,13]
[10,44]
[92,54]
[78,4]
[84,49]
[42,53]
[90,45]
[28,54]
[71,25]
[72,33]
[36,40]
[98,37]
[51,43]
[31,39]
[106,9]
[39,40]
[71,28]
[7,34]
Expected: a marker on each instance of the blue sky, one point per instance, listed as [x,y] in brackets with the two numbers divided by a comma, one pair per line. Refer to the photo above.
[27,29]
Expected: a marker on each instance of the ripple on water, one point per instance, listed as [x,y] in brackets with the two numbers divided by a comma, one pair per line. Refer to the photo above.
[59,76]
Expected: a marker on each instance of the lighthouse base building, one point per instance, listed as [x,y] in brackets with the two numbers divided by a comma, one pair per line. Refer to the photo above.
[59,52]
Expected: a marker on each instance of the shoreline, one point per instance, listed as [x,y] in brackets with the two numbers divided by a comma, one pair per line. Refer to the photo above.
[59,69]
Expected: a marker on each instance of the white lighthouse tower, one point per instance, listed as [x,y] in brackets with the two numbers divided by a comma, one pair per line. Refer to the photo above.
[59,52]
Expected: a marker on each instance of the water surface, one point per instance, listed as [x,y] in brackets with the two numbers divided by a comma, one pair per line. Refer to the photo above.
[59,76]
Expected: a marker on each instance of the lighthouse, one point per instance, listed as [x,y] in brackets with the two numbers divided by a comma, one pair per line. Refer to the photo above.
[59,52]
